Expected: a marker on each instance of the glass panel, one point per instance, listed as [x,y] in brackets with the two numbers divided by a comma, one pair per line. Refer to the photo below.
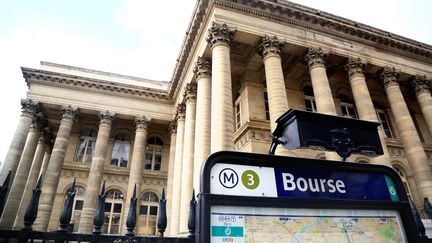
[105,228]
[143,210]
[158,158]
[107,207]
[106,218]
[115,154]
[124,155]
[153,197]
[117,208]
[114,229]
[118,195]
[115,219]
[153,210]
[80,151]
[89,152]
[78,204]
[148,158]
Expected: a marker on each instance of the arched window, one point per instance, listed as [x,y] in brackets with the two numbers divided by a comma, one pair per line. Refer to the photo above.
[148,213]
[77,206]
[86,145]
[153,158]
[121,149]
[309,98]
[113,210]
[404,179]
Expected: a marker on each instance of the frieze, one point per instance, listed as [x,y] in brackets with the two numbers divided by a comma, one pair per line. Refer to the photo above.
[270,45]
[355,66]
[420,84]
[202,68]
[389,76]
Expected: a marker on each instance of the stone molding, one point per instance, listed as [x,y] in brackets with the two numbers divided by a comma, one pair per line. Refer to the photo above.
[30,107]
[420,84]
[172,126]
[142,122]
[106,118]
[316,57]
[270,45]
[69,112]
[202,68]
[190,92]
[355,66]
[389,76]
[181,111]
[220,34]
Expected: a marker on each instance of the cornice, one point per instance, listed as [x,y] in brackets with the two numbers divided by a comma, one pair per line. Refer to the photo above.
[60,80]
[308,18]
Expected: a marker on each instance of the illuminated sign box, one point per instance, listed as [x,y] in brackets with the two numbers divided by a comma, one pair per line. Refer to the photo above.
[302,129]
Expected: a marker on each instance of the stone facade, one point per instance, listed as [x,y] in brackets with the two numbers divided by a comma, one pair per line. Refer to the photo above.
[242,65]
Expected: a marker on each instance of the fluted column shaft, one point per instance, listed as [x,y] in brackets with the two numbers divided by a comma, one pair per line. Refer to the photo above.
[203,117]
[55,165]
[364,104]
[422,89]
[188,156]
[222,118]
[415,153]
[31,181]
[137,162]
[16,190]
[29,109]
[316,59]
[178,164]
[173,132]
[96,172]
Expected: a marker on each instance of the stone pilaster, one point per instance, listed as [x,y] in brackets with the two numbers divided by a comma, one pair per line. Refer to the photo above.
[316,59]
[33,176]
[178,164]
[29,109]
[94,182]
[422,87]
[53,172]
[138,157]
[219,39]
[173,131]
[363,102]
[415,153]
[22,173]
[203,116]
[188,155]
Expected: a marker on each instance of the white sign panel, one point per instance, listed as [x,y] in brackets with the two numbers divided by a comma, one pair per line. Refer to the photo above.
[242,180]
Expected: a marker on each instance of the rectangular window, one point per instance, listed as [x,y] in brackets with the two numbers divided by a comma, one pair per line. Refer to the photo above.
[385,123]
[348,110]
[266,104]
[238,115]
[310,104]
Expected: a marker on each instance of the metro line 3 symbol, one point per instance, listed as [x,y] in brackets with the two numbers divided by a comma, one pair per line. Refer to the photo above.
[228,178]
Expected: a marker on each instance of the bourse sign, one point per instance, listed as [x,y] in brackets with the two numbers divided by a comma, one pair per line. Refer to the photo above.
[262,198]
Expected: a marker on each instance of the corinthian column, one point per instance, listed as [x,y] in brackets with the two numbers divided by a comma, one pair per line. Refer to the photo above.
[188,156]
[416,155]
[422,89]
[33,176]
[222,118]
[50,183]
[173,131]
[202,126]
[138,158]
[364,104]
[316,59]
[96,172]
[178,164]
[16,190]
[29,109]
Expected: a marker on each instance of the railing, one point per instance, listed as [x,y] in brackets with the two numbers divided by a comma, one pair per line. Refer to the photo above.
[64,234]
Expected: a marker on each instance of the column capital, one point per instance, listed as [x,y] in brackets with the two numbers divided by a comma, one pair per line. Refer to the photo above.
[270,45]
[181,111]
[142,122]
[69,112]
[355,66]
[202,68]
[420,84]
[389,76]
[106,118]
[172,127]
[316,57]
[220,34]
[190,92]
[30,107]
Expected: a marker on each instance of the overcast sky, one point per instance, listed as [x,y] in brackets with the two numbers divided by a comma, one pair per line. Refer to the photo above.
[139,38]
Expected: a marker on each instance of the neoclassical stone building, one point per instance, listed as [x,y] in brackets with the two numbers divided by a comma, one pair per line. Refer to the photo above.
[242,65]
